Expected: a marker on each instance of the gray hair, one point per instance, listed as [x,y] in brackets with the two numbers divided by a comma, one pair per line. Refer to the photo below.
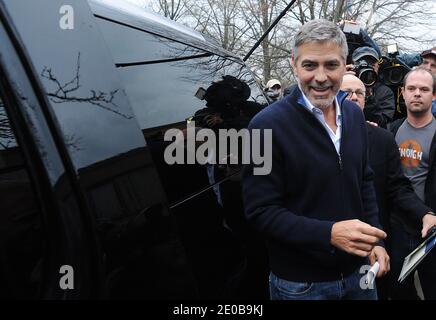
[320,30]
[421,69]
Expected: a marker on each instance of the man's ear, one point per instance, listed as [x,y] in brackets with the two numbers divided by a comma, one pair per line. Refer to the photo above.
[293,65]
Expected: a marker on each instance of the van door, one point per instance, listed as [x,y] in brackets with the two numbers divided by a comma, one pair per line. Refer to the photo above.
[42,252]
[164,75]
[123,209]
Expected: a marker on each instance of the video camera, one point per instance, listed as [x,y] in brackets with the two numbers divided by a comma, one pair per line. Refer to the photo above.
[365,72]
[393,70]
[353,36]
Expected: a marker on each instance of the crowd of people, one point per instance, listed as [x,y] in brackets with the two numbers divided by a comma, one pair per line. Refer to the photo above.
[352,183]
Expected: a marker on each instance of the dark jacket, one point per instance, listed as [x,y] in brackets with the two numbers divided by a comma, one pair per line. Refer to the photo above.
[391,186]
[380,106]
[309,189]
[410,222]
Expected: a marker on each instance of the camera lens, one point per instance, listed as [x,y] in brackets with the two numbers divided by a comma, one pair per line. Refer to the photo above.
[396,76]
[368,77]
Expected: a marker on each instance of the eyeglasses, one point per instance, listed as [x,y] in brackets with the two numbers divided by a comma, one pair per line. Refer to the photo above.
[360,93]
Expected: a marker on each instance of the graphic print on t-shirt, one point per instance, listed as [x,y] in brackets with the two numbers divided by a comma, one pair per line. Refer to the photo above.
[410,153]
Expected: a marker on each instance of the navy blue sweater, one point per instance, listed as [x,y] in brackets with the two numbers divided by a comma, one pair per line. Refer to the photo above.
[309,189]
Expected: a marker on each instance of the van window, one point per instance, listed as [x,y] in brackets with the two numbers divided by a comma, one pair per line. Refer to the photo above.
[165,81]
[162,76]
[130,45]
[85,96]
[171,83]
[21,235]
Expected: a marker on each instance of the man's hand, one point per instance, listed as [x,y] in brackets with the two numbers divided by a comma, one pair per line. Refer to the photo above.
[213,119]
[355,237]
[342,21]
[379,254]
[349,69]
[428,221]
[372,123]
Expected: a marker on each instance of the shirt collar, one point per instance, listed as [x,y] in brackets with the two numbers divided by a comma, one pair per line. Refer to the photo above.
[309,106]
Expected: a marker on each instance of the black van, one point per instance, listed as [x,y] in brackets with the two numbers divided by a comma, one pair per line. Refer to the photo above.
[89,206]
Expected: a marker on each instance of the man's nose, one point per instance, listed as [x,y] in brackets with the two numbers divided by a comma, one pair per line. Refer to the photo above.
[354,97]
[320,75]
[417,92]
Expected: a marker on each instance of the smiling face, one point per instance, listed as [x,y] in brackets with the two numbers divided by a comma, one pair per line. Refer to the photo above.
[319,67]
[418,92]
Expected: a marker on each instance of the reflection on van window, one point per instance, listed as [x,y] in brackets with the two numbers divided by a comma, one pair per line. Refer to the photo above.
[7,139]
[86,98]
[162,77]
[171,84]
[165,93]
[134,45]
[20,224]
[165,82]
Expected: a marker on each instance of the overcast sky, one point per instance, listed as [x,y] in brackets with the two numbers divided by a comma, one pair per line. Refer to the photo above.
[417,31]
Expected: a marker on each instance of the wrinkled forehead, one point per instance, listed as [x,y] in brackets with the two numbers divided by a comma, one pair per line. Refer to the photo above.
[315,50]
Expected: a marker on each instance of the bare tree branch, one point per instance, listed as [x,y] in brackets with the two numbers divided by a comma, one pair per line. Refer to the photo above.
[63,92]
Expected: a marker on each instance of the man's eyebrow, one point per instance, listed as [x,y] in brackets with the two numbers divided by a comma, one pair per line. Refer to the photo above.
[308,61]
[316,62]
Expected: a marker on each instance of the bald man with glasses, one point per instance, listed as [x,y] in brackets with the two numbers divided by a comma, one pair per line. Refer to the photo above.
[391,186]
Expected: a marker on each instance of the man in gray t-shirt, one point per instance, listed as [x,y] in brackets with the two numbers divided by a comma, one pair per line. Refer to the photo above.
[416,141]
[414,146]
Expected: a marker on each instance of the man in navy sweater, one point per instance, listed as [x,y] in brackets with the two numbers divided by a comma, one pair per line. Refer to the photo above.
[317,207]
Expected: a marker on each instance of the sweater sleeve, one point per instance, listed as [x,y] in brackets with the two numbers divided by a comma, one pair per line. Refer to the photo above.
[369,200]
[264,202]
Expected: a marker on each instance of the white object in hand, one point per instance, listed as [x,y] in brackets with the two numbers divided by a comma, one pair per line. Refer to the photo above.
[372,273]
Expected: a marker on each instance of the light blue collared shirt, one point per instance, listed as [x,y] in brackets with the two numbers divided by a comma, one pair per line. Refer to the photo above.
[335,136]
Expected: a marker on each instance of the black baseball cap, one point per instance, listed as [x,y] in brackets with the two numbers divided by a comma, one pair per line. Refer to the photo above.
[361,52]
[429,52]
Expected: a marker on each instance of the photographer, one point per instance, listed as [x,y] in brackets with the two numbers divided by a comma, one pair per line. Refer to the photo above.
[273,90]
[356,37]
[380,102]
[227,105]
